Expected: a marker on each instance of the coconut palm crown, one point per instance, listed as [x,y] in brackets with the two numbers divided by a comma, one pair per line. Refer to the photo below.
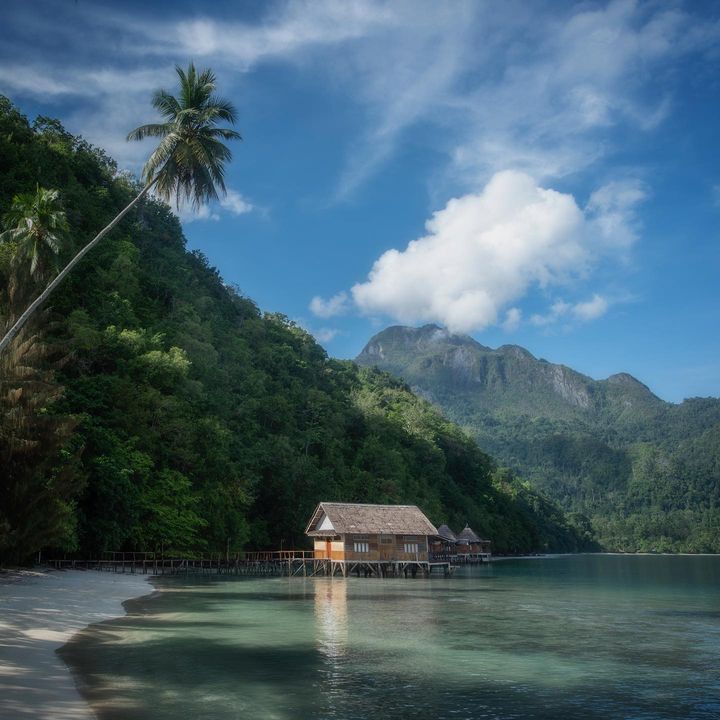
[189,162]
[35,224]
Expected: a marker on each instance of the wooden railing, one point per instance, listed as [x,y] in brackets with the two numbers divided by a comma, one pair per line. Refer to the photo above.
[277,555]
[157,559]
[441,557]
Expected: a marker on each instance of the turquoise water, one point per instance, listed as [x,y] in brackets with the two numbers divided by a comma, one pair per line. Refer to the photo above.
[568,637]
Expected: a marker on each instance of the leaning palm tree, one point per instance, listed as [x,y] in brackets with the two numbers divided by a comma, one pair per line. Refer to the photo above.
[35,225]
[188,164]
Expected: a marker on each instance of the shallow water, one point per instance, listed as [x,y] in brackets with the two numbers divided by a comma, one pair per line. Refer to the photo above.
[566,637]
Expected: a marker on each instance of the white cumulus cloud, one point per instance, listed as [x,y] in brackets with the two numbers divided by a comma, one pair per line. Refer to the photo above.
[485,251]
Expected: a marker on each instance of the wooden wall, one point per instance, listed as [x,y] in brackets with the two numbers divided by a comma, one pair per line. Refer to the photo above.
[386,547]
[337,549]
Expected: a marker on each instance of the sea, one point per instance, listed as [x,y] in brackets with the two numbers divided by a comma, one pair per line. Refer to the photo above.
[558,637]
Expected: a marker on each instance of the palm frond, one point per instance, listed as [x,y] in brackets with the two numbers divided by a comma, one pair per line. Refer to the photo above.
[35,224]
[189,162]
[152,130]
[220,108]
[166,103]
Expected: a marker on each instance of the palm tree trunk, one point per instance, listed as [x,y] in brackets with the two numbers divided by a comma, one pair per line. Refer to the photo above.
[15,329]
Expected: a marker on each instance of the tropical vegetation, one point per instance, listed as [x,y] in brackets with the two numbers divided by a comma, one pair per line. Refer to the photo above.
[188,164]
[151,405]
[644,471]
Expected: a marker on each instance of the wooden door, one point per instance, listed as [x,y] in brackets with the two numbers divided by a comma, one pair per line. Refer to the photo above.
[386,547]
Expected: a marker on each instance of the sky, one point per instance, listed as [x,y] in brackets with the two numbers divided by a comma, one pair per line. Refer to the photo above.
[545,174]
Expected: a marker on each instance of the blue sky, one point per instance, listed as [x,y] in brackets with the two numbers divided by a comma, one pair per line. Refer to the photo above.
[544,174]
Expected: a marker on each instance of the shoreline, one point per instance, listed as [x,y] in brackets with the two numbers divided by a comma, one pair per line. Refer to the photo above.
[540,556]
[39,613]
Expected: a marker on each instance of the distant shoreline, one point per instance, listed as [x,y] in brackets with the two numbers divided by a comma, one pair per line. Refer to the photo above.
[540,556]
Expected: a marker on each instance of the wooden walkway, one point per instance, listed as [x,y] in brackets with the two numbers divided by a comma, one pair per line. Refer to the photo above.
[291,563]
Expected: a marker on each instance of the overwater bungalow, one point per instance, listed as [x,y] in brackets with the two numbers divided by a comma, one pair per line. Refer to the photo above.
[444,544]
[470,547]
[370,533]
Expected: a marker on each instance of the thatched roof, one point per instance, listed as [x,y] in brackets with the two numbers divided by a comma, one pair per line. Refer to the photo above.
[354,518]
[468,535]
[446,533]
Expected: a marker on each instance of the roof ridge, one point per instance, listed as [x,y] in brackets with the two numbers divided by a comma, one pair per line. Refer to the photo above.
[388,505]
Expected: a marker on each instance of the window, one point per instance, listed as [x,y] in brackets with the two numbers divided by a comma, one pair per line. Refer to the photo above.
[411,548]
[387,539]
[361,547]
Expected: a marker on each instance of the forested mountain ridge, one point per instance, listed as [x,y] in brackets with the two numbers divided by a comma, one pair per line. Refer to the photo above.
[646,471]
[152,405]
[508,378]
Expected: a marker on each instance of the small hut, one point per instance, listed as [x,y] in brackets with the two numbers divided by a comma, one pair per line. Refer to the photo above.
[443,544]
[358,532]
[470,545]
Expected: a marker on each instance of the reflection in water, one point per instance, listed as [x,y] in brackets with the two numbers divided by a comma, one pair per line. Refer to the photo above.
[331,622]
[331,617]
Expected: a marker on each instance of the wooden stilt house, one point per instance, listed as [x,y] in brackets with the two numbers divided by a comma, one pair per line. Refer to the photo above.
[443,545]
[470,545]
[358,532]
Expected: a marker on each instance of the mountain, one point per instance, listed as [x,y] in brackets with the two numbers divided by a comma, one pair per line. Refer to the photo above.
[153,406]
[507,379]
[646,472]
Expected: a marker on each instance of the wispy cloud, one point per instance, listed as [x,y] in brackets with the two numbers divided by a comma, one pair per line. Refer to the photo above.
[716,195]
[513,318]
[336,305]
[583,311]
[559,309]
[235,203]
[612,208]
[187,214]
[591,309]
[325,335]
[547,105]
[287,31]
[577,77]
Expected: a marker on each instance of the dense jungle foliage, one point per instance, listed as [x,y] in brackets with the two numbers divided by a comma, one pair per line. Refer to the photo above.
[646,472]
[151,405]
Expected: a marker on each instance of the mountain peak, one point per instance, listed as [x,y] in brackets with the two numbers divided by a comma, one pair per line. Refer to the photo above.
[510,380]
[516,351]
[624,378]
[403,338]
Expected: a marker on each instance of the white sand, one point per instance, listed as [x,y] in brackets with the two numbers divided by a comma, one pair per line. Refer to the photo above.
[40,612]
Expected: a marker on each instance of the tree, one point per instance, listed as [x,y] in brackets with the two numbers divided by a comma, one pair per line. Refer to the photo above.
[35,225]
[188,163]
[39,482]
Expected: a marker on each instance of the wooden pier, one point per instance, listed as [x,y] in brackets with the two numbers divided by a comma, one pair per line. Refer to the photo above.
[290,563]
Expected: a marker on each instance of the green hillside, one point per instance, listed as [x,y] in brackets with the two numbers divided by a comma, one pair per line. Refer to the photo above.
[152,405]
[647,472]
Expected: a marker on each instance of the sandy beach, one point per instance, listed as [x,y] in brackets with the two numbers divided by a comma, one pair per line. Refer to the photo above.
[40,612]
